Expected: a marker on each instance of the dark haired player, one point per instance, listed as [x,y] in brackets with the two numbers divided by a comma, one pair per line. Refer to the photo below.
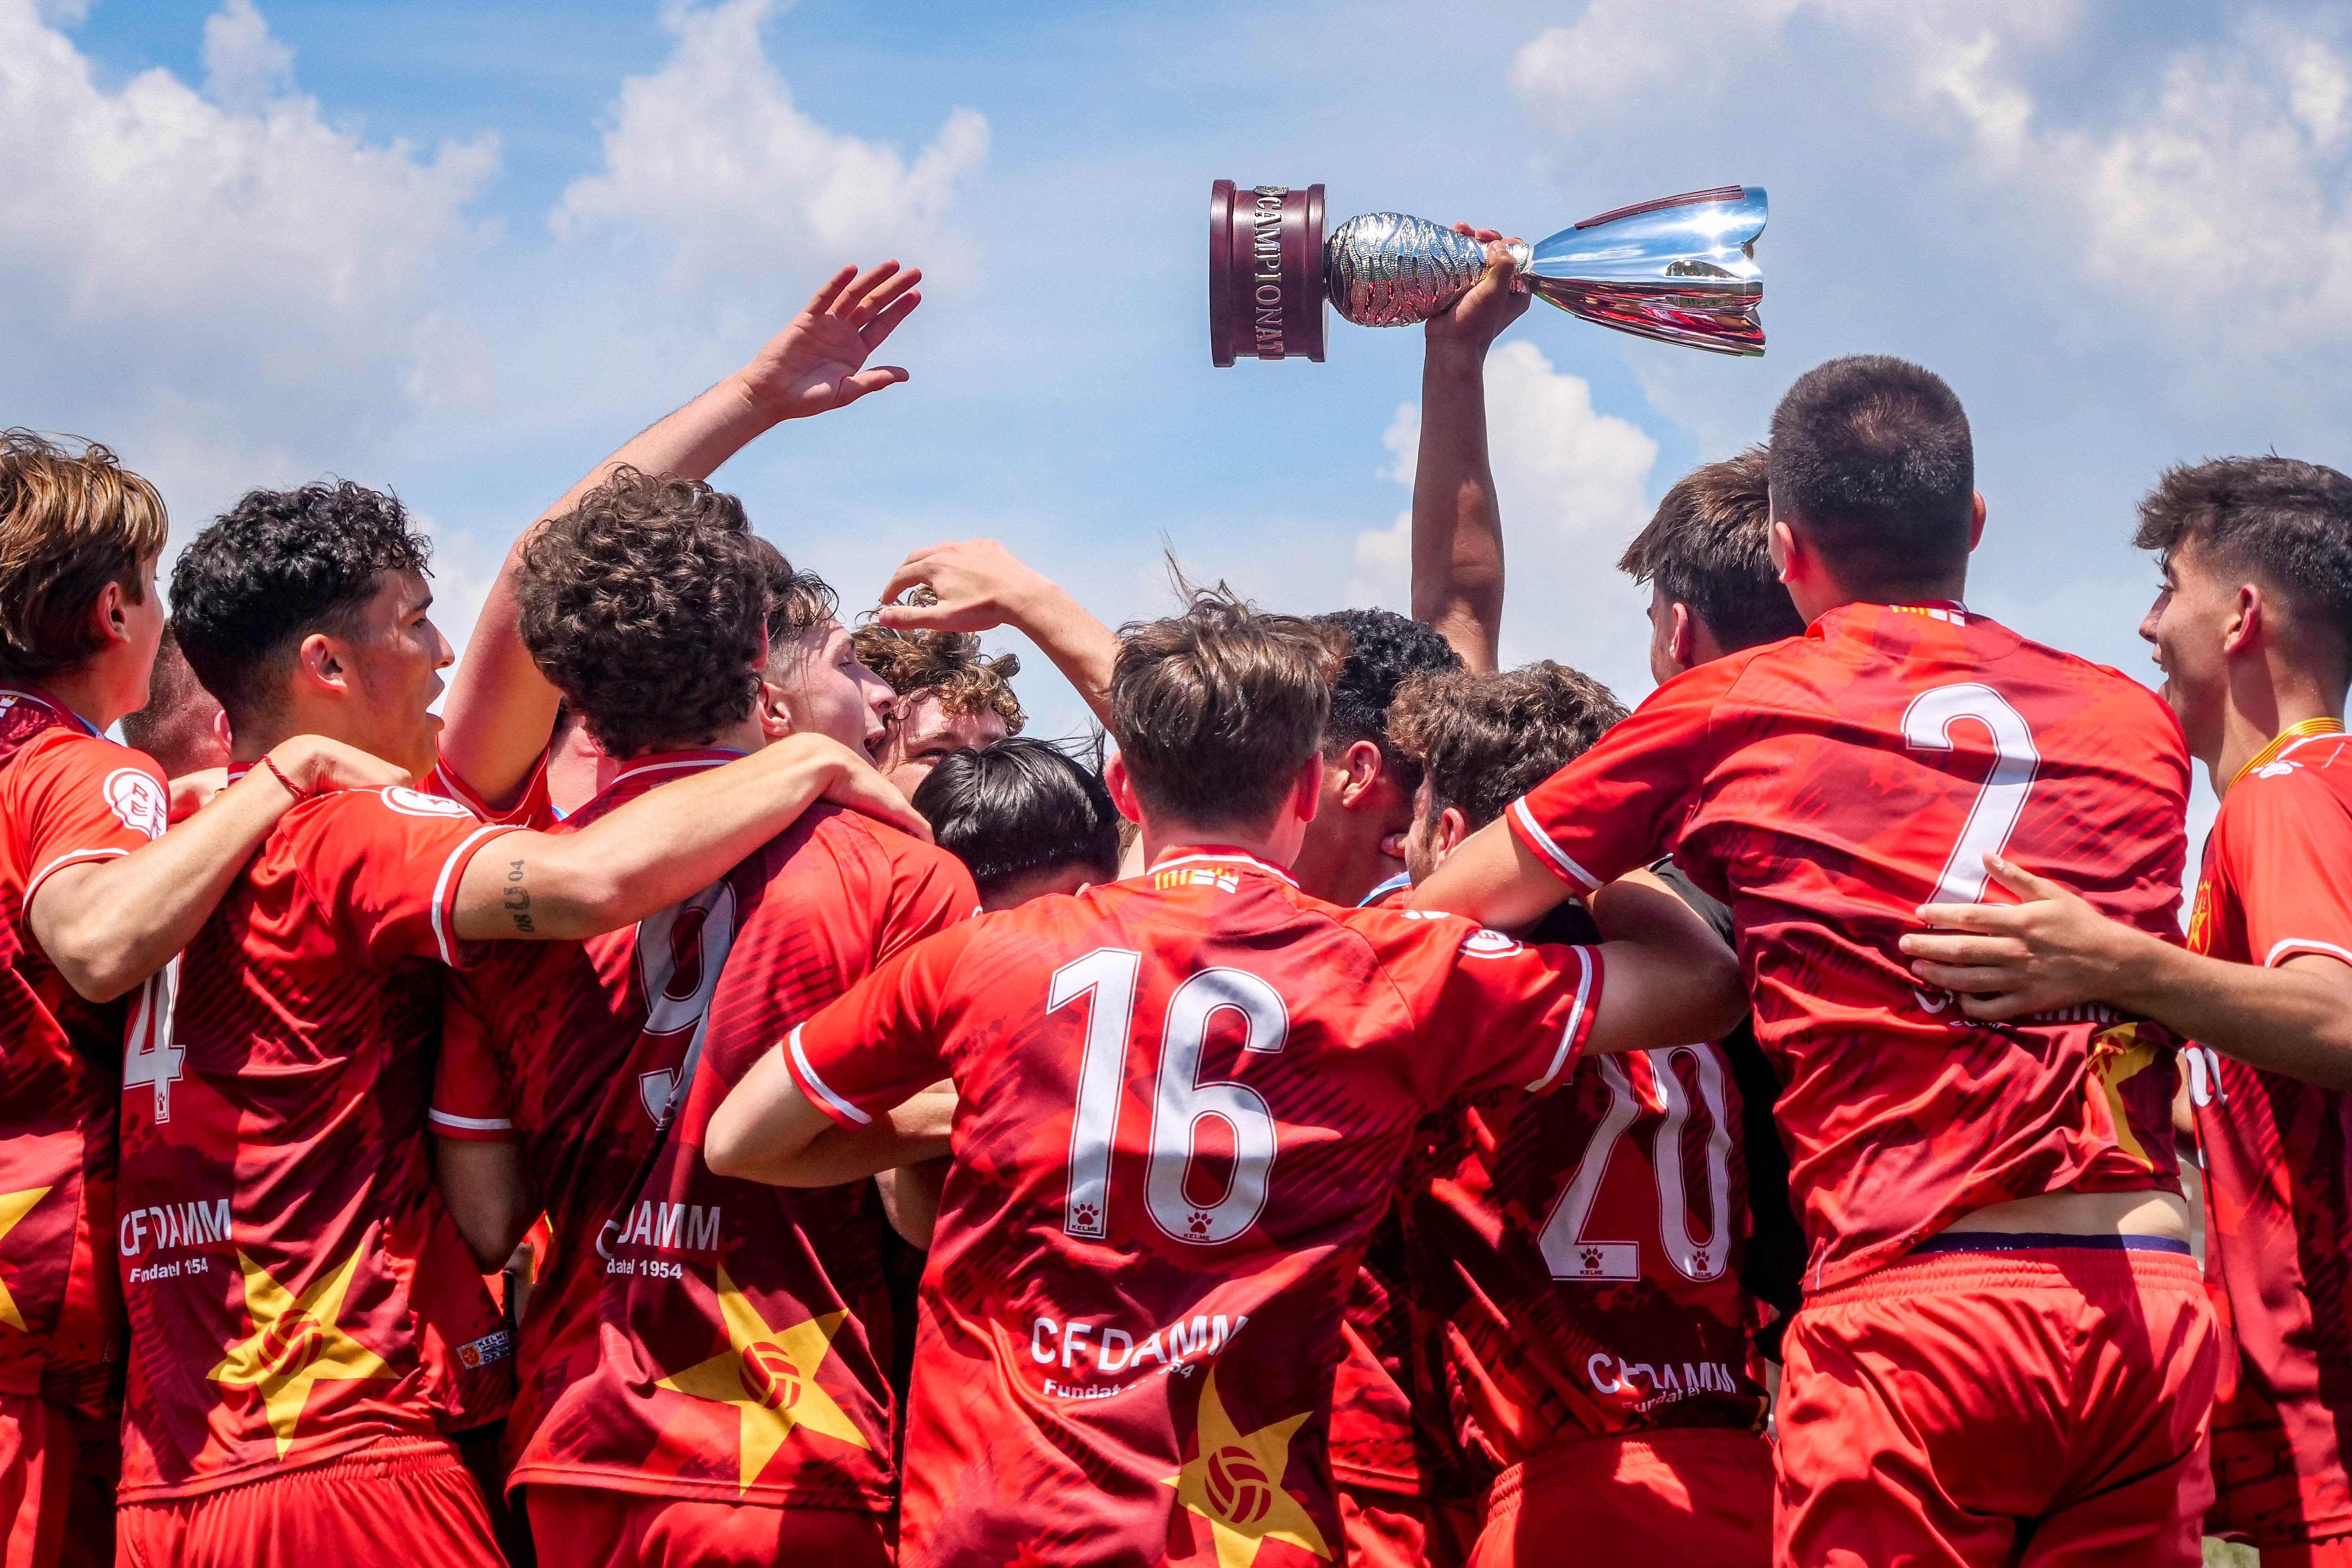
[182,727]
[307,1328]
[1580,1256]
[1707,555]
[1183,1100]
[950,695]
[94,902]
[1025,817]
[2254,632]
[704,1361]
[2004,1347]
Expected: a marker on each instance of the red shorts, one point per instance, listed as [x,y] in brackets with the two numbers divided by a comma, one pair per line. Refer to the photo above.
[56,1492]
[400,1502]
[2037,1406]
[1397,1529]
[1690,1498]
[589,1527]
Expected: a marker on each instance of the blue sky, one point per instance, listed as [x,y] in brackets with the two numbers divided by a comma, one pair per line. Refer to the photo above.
[464,250]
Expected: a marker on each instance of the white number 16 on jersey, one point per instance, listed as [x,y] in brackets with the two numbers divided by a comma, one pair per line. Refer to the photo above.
[1181,1101]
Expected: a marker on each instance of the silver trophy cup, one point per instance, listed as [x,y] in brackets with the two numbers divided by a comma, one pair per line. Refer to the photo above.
[1681,269]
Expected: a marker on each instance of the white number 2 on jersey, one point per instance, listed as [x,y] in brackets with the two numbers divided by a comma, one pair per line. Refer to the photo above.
[1181,1101]
[2000,799]
[1570,1253]
[150,1059]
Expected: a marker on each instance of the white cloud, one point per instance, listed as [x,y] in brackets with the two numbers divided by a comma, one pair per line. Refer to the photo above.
[710,160]
[1572,484]
[223,286]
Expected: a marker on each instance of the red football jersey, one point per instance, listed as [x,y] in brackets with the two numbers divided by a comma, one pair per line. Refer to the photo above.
[66,795]
[574,1048]
[531,806]
[2278,1154]
[1826,787]
[295,1288]
[723,1339]
[1183,1103]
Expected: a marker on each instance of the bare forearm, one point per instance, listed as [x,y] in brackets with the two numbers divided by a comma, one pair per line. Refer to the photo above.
[1082,647]
[647,855]
[109,925]
[2295,1019]
[1670,979]
[1493,880]
[483,1186]
[1457,527]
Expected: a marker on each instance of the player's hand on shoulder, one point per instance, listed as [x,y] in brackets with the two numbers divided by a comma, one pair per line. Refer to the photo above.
[818,362]
[191,792]
[315,764]
[857,785]
[2009,960]
[978,584]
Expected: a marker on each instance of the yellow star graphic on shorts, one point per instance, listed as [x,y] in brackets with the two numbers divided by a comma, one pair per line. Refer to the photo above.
[14,1206]
[1235,1483]
[771,1379]
[295,1342]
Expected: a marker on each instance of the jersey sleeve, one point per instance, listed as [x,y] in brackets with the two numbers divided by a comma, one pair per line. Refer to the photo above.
[88,799]
[386,865]
[1490,1010]
[1622,803]
[929,891]
[2286,848]
[881,1041]
[530,808]
[470,1094]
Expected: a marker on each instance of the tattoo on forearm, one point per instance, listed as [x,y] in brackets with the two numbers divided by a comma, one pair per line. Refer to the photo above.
[517,897]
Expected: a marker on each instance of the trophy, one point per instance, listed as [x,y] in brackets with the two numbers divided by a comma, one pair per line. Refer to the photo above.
[1681,269]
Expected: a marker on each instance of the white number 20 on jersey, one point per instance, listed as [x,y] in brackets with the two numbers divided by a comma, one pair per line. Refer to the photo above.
[1181,1101]
[1570,1254]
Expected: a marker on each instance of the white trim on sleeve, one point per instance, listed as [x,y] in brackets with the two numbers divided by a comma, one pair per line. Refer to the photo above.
[444,935]
[2295,945]
[824,1090]
[1561,1057]
[1558,855]
[440,1118]
[70,857]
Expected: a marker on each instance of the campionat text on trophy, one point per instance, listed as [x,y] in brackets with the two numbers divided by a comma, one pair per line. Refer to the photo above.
[1681,269]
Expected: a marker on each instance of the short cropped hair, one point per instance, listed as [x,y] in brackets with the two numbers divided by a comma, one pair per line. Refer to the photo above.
[647,606]
[1710,546]
[176,727]
[948,666]
[273,569]
[798,601]
[70,522]
[1019,807]
[1214,709]
[2288,524]
[1486,738]
[1873,465]
[1379,650]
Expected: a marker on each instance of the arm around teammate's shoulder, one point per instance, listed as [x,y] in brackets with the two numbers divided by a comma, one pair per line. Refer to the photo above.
[665,845]
[1671,980]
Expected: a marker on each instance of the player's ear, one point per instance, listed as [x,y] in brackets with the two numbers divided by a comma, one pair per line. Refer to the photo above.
[1306,786]
[1684,647]
[323,664]
[1360,769]
[1450,829]
[1976,521]
[1121,784]
[775,715]
[2247,620]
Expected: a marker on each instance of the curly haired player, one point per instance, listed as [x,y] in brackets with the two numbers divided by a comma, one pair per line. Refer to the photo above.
[950,695]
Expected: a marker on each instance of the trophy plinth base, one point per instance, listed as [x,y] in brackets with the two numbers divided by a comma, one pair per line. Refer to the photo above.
[1266,272]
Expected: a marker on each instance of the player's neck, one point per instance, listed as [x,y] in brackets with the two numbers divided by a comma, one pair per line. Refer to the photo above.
[93,693]
[2263,705]
[1162,841]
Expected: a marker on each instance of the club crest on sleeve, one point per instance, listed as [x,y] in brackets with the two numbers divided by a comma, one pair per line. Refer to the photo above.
[416,803]
[1485,943]
[137,800]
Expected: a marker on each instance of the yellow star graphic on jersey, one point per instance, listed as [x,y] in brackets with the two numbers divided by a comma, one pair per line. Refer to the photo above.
[1235,1483]
[2116,1054]
[295,1342]
[771,1379]
[14,1206]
